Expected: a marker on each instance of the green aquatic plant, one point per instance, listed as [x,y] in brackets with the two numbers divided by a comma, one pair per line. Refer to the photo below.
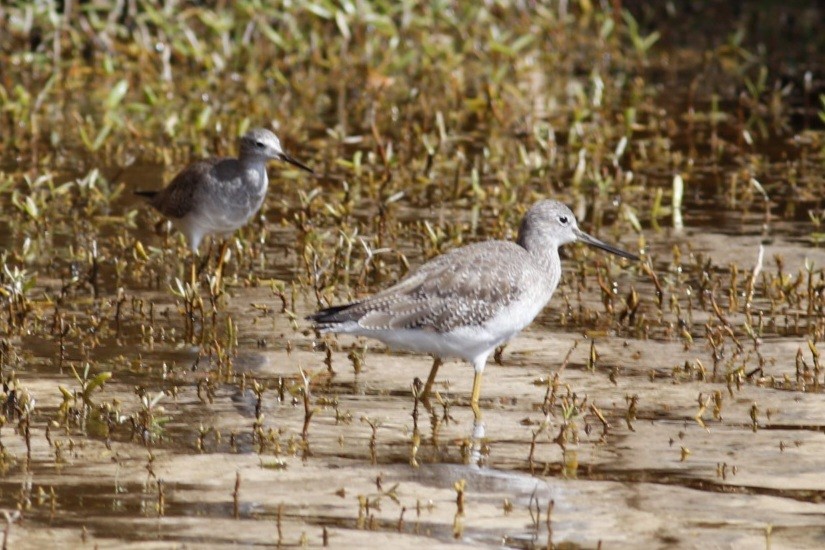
[149,421]
[78,406]
[817,218]
[93,195]
[15,287]
[431,125]
[641,43]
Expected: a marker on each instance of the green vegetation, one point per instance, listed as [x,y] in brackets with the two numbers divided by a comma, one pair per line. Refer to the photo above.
[429,125]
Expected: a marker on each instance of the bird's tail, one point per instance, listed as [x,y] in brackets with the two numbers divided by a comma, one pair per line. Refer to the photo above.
[148,194]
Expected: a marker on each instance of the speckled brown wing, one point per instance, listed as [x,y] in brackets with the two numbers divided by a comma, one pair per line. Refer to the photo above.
[177,199]
[466,286]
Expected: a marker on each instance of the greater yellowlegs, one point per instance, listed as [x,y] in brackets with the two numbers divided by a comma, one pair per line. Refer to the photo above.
[469,301]
[219,195]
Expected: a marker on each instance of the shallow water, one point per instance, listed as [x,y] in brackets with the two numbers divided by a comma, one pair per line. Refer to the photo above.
[682,419]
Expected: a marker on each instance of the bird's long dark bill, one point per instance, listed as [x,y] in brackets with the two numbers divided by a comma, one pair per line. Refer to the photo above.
[593,241]
[296,162]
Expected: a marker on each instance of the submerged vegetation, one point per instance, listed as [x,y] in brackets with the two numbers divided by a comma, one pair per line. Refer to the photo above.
[691,132]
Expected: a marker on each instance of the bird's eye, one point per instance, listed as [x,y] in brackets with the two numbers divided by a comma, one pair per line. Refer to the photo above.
[563,220]
[259,144]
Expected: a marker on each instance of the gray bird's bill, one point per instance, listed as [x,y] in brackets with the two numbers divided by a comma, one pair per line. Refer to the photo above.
[593,241]
[296,162]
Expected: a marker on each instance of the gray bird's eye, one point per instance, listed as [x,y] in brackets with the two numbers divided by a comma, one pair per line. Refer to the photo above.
[259,144]
[563,220]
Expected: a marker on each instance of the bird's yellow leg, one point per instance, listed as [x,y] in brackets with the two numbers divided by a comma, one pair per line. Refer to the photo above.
[203,259]
[428,387]
[193,272]
[476,394]
[219,267]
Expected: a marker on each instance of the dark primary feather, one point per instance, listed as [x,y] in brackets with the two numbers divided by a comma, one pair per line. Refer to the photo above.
[466,286]
[333,315]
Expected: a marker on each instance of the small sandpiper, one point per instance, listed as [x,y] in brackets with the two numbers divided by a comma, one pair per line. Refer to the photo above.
[469,301]
[219,195]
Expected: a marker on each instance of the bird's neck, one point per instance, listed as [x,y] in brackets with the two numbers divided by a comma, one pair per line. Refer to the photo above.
[254,170]
[252,160]
[550,263]
[544,252]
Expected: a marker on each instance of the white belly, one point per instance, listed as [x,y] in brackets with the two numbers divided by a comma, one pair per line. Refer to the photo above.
[470,343]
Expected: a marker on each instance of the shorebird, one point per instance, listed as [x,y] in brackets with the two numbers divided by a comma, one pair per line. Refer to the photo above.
[219,195]
[469,301]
